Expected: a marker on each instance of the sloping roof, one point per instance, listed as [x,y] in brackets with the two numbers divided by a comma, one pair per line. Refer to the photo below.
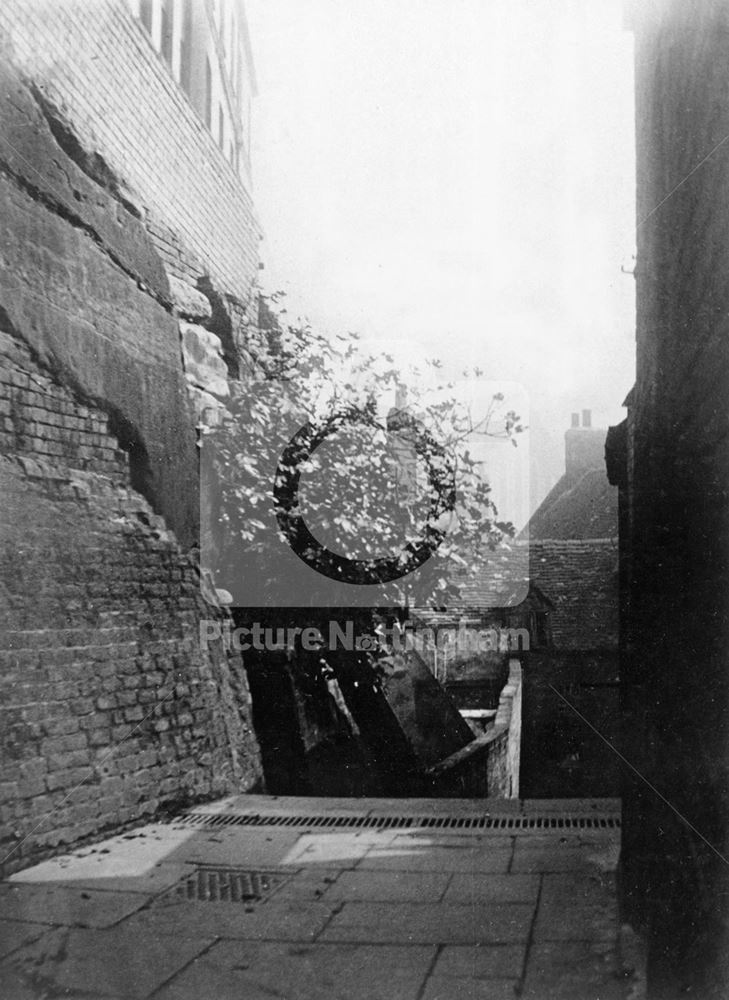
[580,579]
[577,508]
[501,581]
[575,581]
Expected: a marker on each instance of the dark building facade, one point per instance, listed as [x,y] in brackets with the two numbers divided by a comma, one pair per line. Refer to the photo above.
[671,460]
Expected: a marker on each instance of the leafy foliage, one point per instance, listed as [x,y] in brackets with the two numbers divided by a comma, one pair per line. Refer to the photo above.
[371,481]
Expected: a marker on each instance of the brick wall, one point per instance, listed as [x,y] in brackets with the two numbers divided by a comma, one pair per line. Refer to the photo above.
[93,60]
[577,655]
[110,710]
[40,420]
[84,288]
[677,630]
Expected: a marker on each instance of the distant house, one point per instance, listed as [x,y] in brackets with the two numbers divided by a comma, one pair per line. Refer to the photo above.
[577,580]
[554,593]
[571,670]
[582,504]
[566,562]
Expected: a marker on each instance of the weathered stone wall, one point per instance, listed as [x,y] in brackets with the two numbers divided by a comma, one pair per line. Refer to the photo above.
[675,666]
[83,287]
[110,711]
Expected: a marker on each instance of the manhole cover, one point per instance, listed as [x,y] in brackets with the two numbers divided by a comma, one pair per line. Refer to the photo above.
[224,885]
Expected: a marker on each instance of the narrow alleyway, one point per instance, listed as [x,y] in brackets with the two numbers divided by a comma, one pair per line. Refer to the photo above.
[313,899]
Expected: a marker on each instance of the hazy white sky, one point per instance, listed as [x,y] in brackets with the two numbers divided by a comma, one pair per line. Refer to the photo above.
[457,175]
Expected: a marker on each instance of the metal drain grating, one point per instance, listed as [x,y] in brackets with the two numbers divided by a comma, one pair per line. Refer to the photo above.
[224,885]
[545,822]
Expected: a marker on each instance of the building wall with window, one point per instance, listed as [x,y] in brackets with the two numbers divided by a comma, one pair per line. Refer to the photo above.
[206,47]
[162,90]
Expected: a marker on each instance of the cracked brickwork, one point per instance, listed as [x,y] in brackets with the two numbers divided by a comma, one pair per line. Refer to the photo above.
[84,288]
[110,710]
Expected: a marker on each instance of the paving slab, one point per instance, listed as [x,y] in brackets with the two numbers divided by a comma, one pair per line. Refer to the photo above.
[288,920]
[119,963]
[389,887]
[475,889]
[422,858]
[124,853]
[486,961]
[585,807]
[16,986]
[444,807]
[304,805]
[574,970]
[308,884]
[438,988]
[605,856]
[142,860]
[428,923]
[240,846]
[241,971]
[336,848]
[83,875]
[563,858]
[67,905]
[577,908]
[14,933]
[585,838]
[72,995]
[402,914]
[422,839]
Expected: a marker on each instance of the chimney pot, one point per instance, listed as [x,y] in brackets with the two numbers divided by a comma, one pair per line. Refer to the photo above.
[584,446]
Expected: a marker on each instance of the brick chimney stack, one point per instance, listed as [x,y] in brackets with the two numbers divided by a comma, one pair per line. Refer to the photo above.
[584,446]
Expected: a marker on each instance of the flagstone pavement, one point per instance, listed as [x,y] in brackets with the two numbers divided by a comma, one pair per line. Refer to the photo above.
[343,913]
